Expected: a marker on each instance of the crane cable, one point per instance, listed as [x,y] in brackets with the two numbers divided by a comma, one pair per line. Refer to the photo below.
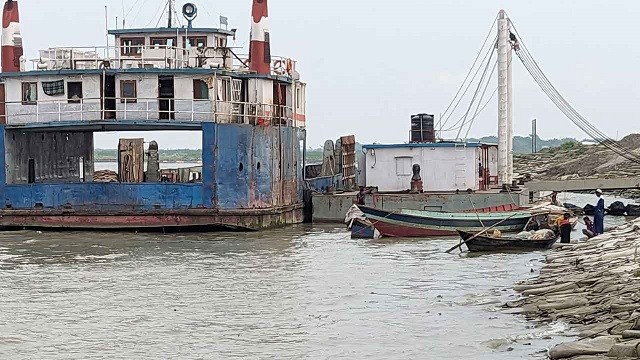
[471,69]
[547,87]
[475,95]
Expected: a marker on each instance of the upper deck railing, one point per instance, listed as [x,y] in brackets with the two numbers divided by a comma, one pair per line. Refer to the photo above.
[149,109]
[151,56]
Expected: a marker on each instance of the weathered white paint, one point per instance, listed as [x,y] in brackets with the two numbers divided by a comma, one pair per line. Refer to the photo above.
[199,110]
[146,105]
[155,55]
[52,108]
[11,35]
[442,168]
[258,29]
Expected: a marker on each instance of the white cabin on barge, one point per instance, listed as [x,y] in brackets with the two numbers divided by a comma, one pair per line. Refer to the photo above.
[444,166]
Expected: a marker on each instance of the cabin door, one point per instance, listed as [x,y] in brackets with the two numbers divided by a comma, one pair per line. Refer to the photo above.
[166,95]
[108,90]
[280,103]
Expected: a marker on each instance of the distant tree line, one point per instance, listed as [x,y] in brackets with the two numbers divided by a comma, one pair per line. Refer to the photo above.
[173,155]
[522,144]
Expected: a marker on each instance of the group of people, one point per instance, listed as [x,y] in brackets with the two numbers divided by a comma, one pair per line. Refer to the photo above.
[595,227]
[592,228]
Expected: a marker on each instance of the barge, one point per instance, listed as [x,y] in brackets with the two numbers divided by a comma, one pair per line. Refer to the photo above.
[248,110]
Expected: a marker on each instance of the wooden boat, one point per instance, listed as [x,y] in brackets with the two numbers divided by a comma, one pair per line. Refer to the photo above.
[422,223]
[362,229]
[486,242]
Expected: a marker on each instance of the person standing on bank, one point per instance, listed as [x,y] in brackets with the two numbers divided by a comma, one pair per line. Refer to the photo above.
[565,229]
[598,217]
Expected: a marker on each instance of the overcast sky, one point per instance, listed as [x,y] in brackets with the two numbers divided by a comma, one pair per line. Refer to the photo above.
[369,65]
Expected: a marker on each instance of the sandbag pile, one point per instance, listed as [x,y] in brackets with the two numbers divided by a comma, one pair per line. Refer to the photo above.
[594,287]
[617,208]
[543,234]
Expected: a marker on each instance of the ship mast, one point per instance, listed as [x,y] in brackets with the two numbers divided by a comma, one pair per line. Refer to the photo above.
[171,5]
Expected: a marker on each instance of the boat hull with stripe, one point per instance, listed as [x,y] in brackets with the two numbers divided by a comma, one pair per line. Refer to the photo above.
[418,223]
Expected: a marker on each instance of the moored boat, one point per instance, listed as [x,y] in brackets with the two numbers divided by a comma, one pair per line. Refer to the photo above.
[422,223]
[486,242]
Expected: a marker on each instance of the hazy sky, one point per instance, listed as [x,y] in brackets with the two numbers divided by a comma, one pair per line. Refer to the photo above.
[369,65]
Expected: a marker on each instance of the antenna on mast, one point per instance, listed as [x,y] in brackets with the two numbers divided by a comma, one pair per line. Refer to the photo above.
[172,5]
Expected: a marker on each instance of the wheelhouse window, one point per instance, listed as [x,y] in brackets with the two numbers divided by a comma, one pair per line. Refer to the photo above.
[128,91]
[29,93]
[74,92]
[221,42]
[159,43]
[200,90]
[132,46]
[195,41]
[224,89]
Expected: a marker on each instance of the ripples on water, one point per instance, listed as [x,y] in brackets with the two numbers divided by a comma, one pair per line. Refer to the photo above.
[300,292]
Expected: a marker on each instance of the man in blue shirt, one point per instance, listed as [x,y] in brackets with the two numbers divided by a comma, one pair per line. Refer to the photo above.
[598,217]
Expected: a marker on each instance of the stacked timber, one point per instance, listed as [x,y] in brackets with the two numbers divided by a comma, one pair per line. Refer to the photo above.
[105,176]
[594,287]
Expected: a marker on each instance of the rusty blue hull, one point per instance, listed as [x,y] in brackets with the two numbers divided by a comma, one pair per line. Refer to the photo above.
[251,180]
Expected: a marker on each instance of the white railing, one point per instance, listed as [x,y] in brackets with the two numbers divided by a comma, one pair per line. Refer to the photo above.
[159,56]
[148,109]
[150,56]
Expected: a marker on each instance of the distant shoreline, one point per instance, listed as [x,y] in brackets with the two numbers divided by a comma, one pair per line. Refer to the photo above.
[161,161]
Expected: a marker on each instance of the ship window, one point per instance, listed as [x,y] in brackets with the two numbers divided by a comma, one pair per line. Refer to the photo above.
[29,93]
[224,89]
[200,90]
[197,41]
[128,91]
[74,92]
[132,46]
[221,42]
[403,165]
[159,43]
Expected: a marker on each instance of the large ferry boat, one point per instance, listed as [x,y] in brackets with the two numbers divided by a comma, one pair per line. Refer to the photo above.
[250,111]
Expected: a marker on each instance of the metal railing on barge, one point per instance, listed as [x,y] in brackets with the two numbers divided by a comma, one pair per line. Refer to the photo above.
[148,109]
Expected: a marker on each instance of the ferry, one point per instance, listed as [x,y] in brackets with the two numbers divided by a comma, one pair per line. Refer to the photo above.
[249,110]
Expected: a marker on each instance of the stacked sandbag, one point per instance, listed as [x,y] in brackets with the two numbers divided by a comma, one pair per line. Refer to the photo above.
[573,209]
[524,235]
[617,208]
[633,210]
[594,287]
[543,234]
[589,210]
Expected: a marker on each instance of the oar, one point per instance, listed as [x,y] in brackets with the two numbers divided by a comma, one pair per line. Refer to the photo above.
[481,232]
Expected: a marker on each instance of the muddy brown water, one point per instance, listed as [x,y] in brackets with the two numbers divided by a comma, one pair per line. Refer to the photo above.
[304,292]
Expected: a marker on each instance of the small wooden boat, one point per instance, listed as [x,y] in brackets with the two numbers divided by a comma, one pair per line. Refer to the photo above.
[486,242]
[422,223]
[362,229]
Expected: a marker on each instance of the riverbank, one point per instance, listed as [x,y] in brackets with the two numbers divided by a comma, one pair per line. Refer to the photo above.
[594,287]
[577,161]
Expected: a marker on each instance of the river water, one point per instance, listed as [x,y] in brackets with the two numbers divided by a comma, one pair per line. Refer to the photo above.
[304,292]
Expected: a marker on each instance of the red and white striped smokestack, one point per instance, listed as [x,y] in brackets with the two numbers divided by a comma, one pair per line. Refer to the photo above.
[260,48]
[11,39]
